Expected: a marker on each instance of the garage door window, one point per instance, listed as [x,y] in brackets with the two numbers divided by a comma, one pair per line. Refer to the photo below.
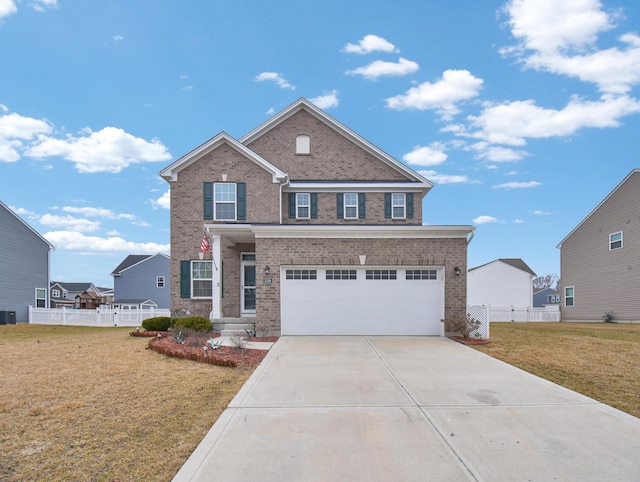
[374,274]
[301,274]
[336,274]
[418,274]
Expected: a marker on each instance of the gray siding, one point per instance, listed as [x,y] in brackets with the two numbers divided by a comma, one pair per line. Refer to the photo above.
[605,280]
[139,281]
[24,265]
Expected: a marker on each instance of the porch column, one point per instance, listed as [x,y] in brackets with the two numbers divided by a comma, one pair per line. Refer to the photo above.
[216,277]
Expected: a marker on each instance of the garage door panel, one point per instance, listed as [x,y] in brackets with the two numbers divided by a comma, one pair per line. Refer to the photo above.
[362,306]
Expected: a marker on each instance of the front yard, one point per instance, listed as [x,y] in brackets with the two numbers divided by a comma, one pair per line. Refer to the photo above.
[600,360]
[94,404]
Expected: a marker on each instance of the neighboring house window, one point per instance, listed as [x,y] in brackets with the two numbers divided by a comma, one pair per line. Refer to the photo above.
[200,282]
[615,241]
[398,205]
[569,296]
[55,293]
[225,201]
[301,274]
[351,205]
[41,298]
[160,282]
[303,144]
[335,274]
[303,205]
[381,274]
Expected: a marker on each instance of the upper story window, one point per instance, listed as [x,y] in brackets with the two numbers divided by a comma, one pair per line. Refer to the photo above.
[55,293]
[615,241]
[303,144]
[569,296]
[303,205]
[159,281]
[224,201]
[350,205]
[398,205]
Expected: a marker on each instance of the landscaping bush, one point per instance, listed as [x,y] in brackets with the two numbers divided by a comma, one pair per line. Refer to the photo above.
[157,323]
[197,323]
[463,324]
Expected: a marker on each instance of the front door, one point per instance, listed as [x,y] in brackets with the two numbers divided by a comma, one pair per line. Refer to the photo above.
[248,283]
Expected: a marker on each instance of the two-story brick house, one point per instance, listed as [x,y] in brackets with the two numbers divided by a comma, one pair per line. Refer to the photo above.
[314,230]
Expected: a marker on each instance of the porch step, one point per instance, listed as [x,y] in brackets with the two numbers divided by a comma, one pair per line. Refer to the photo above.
[233,326]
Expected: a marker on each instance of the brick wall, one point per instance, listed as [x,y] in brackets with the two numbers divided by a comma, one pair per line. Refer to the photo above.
[345,252]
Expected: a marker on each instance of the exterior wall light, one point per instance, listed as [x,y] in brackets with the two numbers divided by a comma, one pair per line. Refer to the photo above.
[266,270]
[457,271]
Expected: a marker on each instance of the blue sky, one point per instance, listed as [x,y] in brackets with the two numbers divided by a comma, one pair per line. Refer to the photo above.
[525,113]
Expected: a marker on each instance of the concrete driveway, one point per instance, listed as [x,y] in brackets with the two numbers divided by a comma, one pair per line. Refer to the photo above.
[383,408]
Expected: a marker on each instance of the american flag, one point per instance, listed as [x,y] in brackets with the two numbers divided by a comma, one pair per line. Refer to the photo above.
[205,246]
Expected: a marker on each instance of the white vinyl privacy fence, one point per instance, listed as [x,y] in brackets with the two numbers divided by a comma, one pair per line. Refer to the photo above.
[514,313]
[97,317]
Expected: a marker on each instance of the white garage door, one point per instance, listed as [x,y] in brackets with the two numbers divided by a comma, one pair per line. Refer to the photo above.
[361,301]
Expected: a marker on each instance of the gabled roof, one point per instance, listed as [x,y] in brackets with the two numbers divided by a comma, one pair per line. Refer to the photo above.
[170,173]
[133,260]
[10,211]
[513,262]
[634,171]
[80,287]
[306,105]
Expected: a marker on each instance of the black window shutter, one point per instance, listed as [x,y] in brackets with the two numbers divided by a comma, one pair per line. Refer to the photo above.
[340,205]
[241,192]
[292,204]
[185,279]
[409,204]
[362,205]
[208,200]
[387,204]
[314,204]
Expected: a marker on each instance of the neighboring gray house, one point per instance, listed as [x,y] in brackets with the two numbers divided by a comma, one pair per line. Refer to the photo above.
[64,294]
[600,259]
[142,280]
[546,297]
[24,266]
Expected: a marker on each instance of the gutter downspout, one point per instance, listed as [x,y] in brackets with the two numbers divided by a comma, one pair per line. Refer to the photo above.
[282,185]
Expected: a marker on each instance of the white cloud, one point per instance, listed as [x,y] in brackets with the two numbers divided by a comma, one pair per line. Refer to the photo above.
[71,240]
[118,38]
[560,36]
[484,219]
[518,221]
[105,213]
[432,155]
[7,7]
[69,222]
[443,95]
[370,43]
[278,79]
[484,150]
[380,68]
[539,212]
[517,185]
[163,201]
[437,178]
[14,130]
[109,150]
[327,100]
[513,122]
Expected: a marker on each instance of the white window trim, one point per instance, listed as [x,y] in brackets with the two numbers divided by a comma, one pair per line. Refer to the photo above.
[234,202]
[55,293]
[300,205]
[44,298]
[192,279]
[345,205]
[159,280]
[403,205]
[611,248]
[303,145]
[573,297]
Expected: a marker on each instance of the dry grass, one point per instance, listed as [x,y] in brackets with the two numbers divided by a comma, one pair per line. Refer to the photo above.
[94,404]
[600,360]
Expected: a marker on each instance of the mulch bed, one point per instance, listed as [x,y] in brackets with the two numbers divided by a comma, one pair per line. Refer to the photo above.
[470,341]
[194,349]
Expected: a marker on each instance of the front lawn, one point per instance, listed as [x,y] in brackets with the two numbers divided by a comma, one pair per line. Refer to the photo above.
[82,403]
[600,360]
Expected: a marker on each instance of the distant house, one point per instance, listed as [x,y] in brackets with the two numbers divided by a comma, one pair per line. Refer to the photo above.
[503,282]
[70,295]
[142,280]
[24,266]
[546,297]
[600,258]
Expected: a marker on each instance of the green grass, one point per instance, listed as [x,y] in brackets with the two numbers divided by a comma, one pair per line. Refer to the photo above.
[600,360]
[80,403]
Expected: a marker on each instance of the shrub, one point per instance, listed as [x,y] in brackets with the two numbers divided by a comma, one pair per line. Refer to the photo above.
[463,324]
[197,323]
[157,323]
